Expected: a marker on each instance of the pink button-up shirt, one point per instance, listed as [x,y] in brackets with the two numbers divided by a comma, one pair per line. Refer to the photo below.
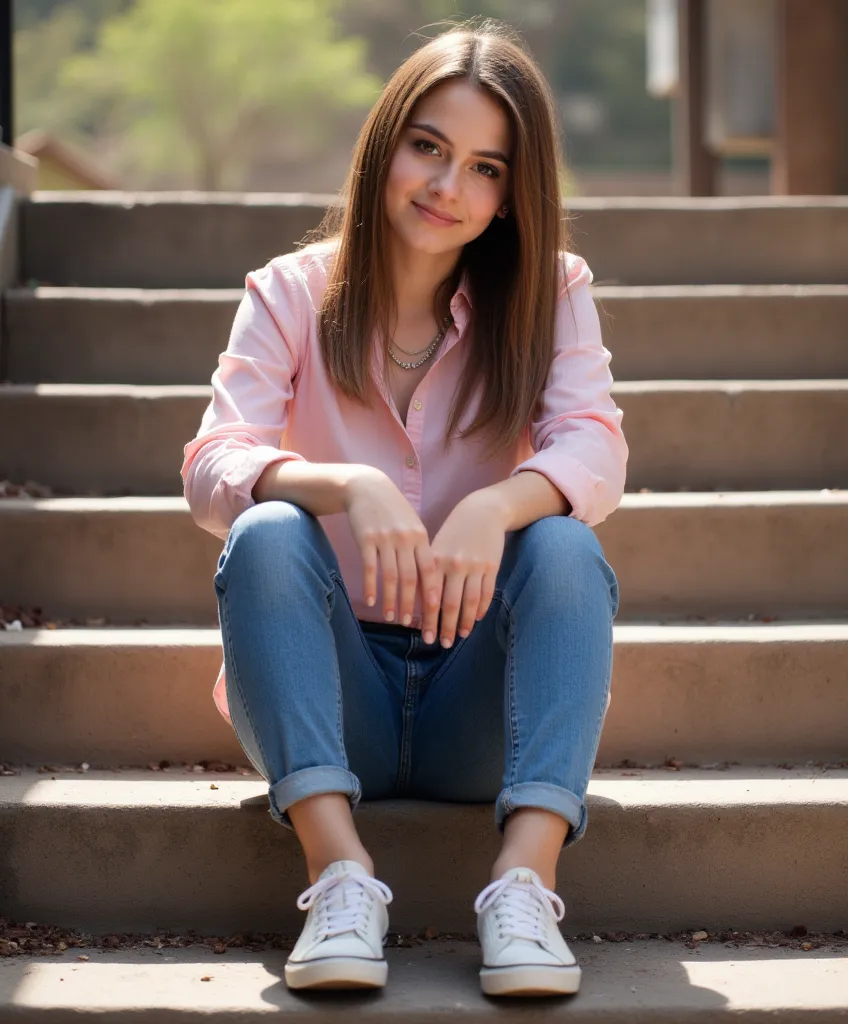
[273,401]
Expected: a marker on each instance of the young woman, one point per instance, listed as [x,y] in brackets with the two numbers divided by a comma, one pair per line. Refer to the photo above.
[410,437]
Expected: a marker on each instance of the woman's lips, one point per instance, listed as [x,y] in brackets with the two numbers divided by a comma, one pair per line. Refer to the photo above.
[433,218]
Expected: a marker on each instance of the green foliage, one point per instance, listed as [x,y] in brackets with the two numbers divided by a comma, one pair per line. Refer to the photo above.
[603,53]
[197,86]
[28,13]
[39,53]
[201,90]
[585,47]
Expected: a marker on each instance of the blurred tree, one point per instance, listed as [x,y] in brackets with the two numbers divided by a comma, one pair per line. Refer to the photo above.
[587,48]
[30,12]
[603,55]
[40,52]
[196,86]
[396,29]
[47,34]
[239,91]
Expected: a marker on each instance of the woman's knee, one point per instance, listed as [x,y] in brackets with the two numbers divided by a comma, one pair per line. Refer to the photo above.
[267,532]
[567,556]
[268,520]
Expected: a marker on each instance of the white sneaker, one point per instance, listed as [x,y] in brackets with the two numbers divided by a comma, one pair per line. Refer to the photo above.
[341,945]
[524,952]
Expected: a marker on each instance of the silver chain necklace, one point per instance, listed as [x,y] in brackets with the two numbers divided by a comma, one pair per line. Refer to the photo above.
[428,352]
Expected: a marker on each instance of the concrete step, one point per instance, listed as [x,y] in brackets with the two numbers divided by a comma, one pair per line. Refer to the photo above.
[117,335]
[729,555]
[725,332]
[743,435]
[141,336]
[115,438]
[665,851]
[202,240]
[710,435]
[743,692]
[629,982]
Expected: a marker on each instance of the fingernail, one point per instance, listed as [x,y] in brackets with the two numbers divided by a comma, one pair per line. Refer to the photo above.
[371,601]
[446,642]
[429,637]
[464,633]
[390,616]
[407,619]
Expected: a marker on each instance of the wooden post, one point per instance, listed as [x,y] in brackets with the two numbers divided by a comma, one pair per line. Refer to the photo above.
[811,39]
[696,167]
[7,105]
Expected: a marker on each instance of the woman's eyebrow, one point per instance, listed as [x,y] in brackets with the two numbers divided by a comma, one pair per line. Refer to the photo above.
[492,154]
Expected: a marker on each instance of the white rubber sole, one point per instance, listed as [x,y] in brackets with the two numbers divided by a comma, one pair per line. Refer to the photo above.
[337,972]
[530,980]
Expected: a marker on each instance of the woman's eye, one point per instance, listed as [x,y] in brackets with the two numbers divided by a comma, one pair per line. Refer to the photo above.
[491,172]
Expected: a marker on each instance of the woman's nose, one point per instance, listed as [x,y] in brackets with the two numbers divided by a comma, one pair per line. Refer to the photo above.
[447,183]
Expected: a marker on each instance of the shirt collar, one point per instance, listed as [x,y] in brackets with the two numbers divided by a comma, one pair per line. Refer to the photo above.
[464,289]
[460,304]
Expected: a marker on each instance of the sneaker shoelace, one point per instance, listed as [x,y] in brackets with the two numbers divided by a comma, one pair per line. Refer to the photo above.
[522,908]
[343,902]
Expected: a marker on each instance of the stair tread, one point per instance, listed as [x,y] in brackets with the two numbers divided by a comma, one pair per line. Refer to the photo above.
[659,499]
[630,981]
[659,632]
[731,386]
[627,788]
[605,291]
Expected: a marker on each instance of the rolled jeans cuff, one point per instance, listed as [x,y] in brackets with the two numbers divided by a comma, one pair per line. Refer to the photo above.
[311,782]
[543,795]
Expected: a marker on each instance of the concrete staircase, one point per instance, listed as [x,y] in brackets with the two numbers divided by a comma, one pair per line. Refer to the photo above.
[721,797]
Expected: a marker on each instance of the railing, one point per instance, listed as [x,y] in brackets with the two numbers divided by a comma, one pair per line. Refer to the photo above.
[7,105]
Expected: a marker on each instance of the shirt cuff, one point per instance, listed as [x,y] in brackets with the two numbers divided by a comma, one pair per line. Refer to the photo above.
[241,478]
[577,483]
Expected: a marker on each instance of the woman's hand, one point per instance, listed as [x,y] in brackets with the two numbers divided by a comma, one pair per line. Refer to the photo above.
[385,525]
[468,550]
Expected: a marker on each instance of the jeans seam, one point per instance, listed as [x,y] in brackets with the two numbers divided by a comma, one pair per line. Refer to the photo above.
[364,640]
[599,726]
[445,665]
[407,715]
[239,692]
[514,740]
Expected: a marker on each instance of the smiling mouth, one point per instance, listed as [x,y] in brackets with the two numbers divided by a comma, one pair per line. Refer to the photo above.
[438,216]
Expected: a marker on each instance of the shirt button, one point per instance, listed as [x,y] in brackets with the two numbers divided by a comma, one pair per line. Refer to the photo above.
[417,403]
[410,461]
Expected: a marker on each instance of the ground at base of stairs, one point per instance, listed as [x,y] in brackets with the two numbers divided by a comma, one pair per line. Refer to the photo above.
[633,982]
[32,939]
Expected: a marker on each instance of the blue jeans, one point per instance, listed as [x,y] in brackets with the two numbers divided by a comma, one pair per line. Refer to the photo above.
[323,702]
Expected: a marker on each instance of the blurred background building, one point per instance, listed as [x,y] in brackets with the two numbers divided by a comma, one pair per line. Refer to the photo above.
[656,97]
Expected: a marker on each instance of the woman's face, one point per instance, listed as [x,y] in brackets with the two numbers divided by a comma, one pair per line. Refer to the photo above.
[441,167]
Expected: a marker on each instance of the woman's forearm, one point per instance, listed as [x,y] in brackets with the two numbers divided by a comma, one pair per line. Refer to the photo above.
[321,488]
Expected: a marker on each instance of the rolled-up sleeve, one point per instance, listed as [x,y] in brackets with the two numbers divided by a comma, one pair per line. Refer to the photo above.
[576,431]
[242,427]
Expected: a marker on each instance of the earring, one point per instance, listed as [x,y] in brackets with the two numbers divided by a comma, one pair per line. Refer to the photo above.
[504,211]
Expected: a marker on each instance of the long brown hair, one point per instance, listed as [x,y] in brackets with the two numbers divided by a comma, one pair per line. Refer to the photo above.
[513,266]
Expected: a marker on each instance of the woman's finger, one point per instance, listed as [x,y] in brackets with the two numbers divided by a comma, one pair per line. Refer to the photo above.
[388,561]
[452,600]
[430,579]
[408,574]
[487,593]
[369,573]
[470,603]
